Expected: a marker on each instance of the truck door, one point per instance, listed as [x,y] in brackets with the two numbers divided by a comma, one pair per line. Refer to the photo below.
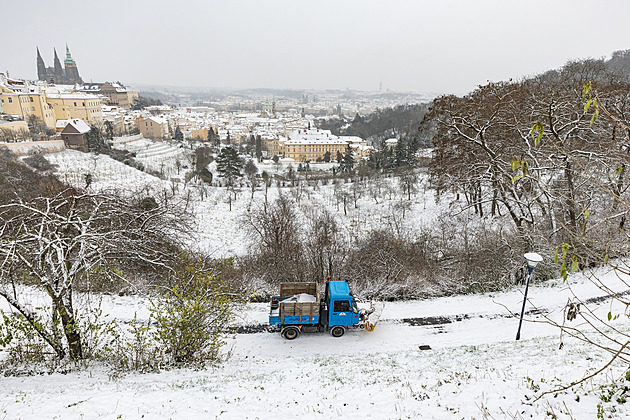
[344,312]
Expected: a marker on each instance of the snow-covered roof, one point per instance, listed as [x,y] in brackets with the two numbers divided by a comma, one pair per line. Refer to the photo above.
[81,126]
[61,123]
[157,120]
[352,139]
[52,94]
[317,136]
[321,140]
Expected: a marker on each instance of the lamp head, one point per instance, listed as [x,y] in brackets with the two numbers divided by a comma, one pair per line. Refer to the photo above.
[532,259]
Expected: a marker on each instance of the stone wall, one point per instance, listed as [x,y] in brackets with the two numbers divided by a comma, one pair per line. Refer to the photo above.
[24,148]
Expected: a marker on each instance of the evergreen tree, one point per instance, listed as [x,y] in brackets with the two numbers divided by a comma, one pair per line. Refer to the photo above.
[178,134]
[327,156]
[109,130]
[347,162]
[229,165]
[259,147]
[400,154]
[96,140]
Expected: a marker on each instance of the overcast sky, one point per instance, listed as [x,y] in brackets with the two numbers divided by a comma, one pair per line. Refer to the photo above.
[441,46]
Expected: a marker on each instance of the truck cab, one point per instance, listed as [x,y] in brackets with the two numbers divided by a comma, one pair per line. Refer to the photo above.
[340,306]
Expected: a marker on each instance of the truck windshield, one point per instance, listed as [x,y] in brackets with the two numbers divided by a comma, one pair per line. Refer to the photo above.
[341,306]
[354,307]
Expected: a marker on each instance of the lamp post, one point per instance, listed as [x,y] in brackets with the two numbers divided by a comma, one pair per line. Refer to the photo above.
[532,260]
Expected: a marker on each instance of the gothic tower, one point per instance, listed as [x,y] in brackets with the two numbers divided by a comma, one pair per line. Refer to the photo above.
[41,67]
[59,75]
[72,72]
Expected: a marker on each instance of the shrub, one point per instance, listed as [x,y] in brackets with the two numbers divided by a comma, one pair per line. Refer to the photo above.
[193,316]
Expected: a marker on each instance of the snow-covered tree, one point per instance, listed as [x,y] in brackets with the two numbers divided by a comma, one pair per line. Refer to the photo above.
[56,240]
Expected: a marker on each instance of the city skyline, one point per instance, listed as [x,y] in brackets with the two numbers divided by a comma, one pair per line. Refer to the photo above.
[440,47]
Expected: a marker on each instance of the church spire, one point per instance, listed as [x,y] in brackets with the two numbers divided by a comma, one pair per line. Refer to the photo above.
[69,59]
[41,67]
[57,65]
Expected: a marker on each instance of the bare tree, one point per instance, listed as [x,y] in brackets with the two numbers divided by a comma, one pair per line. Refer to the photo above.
[597,236]
[408,181]
[276,241]
[325,247]
[251,171]
[70,236]
[267,182]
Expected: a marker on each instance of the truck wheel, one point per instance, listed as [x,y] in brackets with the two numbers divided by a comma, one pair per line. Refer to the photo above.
[337,331]
[291,333]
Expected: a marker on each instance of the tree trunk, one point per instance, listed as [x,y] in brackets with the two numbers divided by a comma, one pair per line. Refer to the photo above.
[70,329]
[570,202]
[619,186]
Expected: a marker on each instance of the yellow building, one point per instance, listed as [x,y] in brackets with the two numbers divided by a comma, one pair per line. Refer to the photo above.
[155,128]
[21,99]
[312,144]
[10,101]
[119,95]
[199,133]
[271,145]
[68,106]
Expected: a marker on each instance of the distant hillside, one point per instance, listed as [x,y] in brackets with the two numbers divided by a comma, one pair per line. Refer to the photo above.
[620,62]
[157,97]
[596,70]
[402,122]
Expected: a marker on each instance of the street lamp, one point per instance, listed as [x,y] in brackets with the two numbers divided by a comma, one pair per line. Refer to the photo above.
[532,260]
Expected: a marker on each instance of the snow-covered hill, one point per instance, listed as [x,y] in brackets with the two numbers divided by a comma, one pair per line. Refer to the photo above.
[475,368]
[218,228]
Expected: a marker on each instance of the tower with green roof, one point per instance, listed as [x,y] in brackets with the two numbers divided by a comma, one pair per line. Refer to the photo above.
[56,74]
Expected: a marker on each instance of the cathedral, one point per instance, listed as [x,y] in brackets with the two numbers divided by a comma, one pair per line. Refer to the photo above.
[68,75]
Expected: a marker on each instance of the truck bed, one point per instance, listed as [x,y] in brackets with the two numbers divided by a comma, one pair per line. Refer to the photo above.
[298,304]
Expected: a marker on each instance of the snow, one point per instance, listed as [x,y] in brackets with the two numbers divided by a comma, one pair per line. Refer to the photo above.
[301,297]
[79,125]
[219,230]
[474,368]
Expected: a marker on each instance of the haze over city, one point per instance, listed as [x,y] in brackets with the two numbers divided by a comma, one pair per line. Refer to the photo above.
[421,46]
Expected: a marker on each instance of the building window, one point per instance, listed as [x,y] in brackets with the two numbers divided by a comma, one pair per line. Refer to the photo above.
[10,100]
[31,99]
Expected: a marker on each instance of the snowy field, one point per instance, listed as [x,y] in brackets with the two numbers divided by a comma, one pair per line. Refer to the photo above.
[218,229]
[474,368]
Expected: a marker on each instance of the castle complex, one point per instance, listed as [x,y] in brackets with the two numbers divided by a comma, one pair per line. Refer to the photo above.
[68,75]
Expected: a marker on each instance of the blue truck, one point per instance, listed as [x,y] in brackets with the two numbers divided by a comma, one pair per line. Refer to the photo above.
[299,309]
